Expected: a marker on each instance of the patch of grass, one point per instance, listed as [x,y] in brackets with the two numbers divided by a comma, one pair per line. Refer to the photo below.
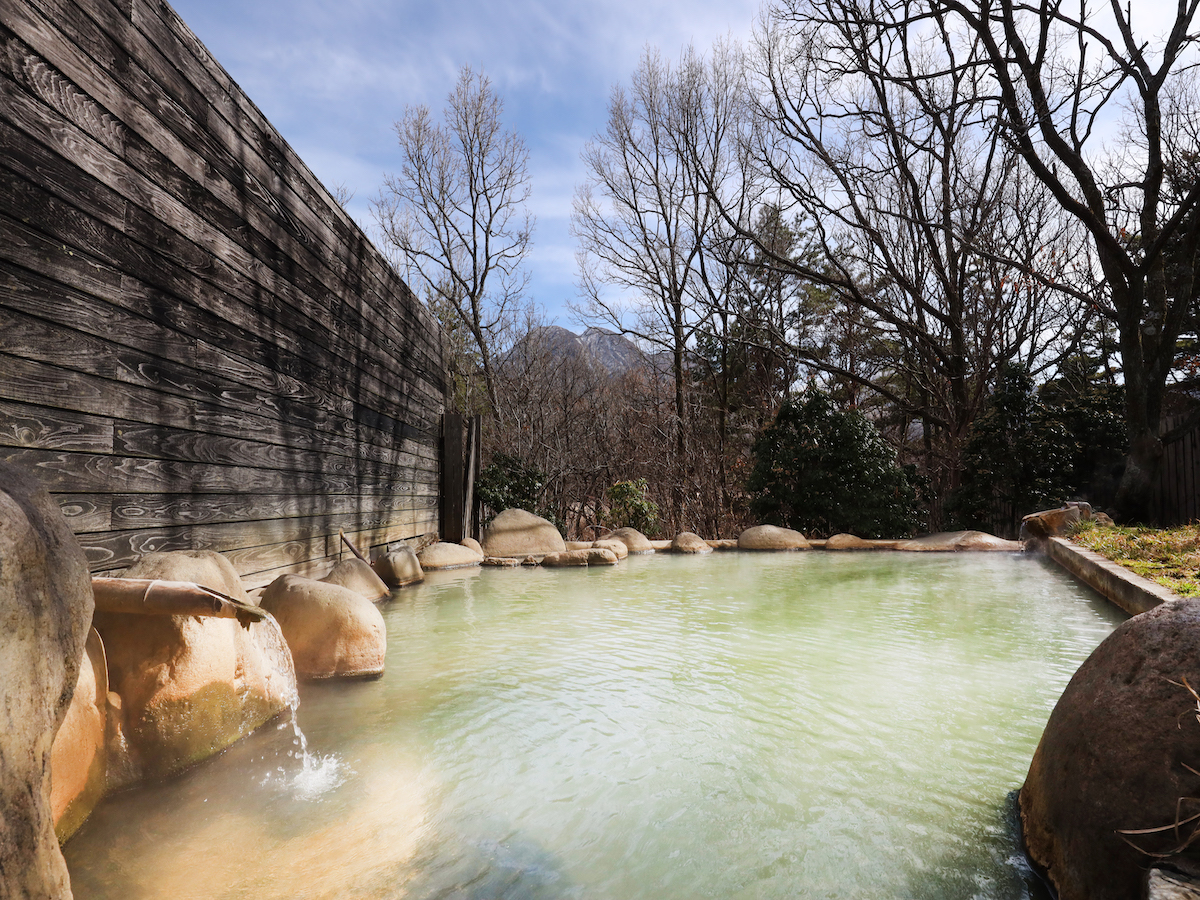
[1168,556]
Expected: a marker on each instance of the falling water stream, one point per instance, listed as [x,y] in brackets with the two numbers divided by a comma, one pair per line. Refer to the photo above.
[737,726]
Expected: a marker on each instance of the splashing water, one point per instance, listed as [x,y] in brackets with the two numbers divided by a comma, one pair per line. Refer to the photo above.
[317,774]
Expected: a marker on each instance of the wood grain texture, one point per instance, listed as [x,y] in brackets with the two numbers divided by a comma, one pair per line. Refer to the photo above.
[198,348]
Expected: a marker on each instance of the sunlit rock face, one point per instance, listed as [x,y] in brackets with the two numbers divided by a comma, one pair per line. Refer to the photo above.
[518,533]
[771,537]
[443,555]
[79,756]
[331,631]
[359,577]
[688,542]
[633,539]
[45,610]
[1117,764]
[399,567]
[957,541]
[190,686]
[620,548]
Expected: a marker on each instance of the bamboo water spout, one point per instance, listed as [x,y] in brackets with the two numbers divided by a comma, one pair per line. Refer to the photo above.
[143,596]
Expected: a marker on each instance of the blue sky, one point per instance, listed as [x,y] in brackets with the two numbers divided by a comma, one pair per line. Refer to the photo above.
[333,77]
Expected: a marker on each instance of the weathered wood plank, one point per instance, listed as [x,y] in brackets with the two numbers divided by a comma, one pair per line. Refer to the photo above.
[25,290]
[250,546]
[83,473]
[86,512]
[75,232]
[34,382]
[197,446]
[198,348]
[45,428]
[186,204]
[136,511]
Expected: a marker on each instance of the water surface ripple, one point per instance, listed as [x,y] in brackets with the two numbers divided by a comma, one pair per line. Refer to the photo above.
[742,726]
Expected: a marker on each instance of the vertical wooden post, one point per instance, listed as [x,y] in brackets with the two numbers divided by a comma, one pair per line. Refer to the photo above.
[452,478]
[471,472]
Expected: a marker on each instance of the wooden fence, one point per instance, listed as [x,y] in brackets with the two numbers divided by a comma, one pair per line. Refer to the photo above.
[1177,499]
[198,348]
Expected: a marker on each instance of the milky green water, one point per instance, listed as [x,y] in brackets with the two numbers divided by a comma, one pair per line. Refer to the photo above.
[738,726]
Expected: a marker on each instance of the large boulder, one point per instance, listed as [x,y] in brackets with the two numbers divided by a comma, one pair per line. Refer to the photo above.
[687,542]
[632,539]
[332,631]
[955,541]
[443,555]
[1119,752]
[79,756]
[45,609]
[518,533]
[399,567]
[771,537]
[357,576]
[190,686]
[1048,523]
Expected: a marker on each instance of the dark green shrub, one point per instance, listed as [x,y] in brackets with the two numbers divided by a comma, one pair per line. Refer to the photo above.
[1018,459]
[823,470]
[628,505]
[509,483]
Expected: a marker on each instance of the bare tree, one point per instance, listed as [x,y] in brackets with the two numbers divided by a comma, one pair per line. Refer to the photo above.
[1099,114]
[645,219]
[879,141]
[456,216]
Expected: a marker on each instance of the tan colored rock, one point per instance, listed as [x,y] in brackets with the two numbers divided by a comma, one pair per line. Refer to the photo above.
[954,541]
[1050,523]
[443,555]
[724,544]
[472,544]
[45,608]
[516,532]
[687,542]
[399,567]
[1103,519]
[620,548]
[579,545]
[332,631]
[633,539]
[565,558]
[663,546]
[853,542]
[531,561]
[358,576]
[191,686]
[771,537]
[601,556]
[502,562]
[79,756]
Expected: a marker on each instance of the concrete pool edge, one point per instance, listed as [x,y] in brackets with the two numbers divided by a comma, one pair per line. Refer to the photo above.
[1127,590]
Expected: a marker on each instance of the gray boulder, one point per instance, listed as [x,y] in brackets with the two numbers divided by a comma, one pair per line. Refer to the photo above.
[1118,753]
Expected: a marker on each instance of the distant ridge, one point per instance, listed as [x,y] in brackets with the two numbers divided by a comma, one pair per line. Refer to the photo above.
[611,351]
